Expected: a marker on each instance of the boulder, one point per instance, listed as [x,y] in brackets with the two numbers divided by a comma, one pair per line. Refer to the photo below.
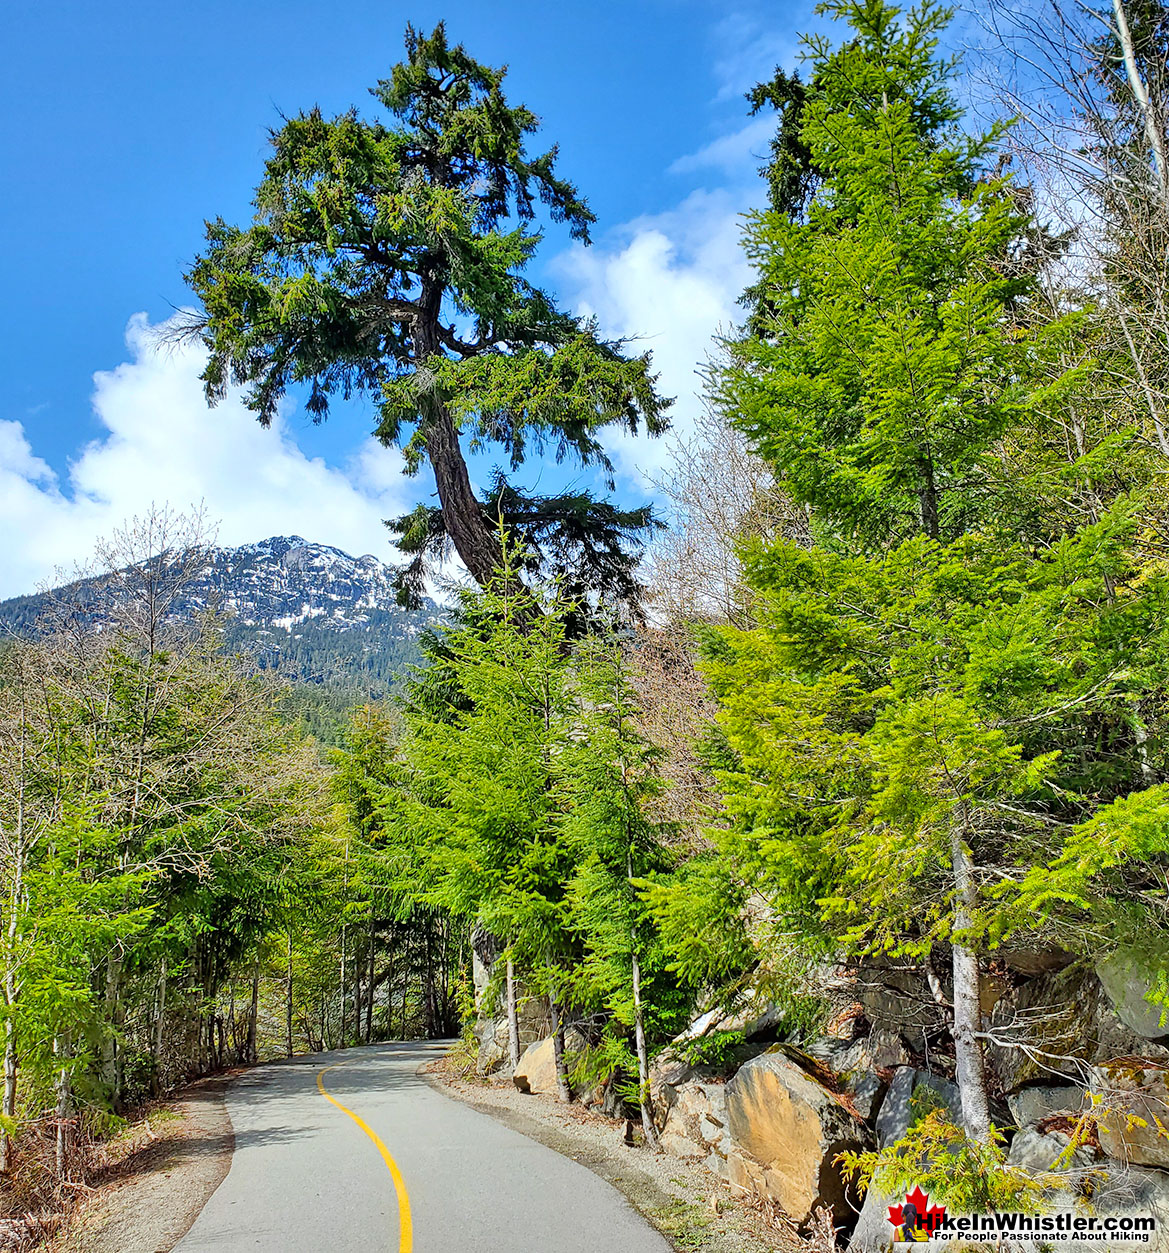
[873,1231]
[536,1072]
[1132,1191]
[1132,1098]
[1045,1152]
[697,1122]
[1033,1104]
[877,1050]
[1070,1020]
[1127,985]
[897,999]
[1111,1191]
[786,1130]
[867,1092]
[754,1017]
[668,1072]
[911,1092]
[493,1048]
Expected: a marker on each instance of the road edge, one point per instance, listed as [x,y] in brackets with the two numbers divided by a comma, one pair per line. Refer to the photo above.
[153,1207]
[635,1185]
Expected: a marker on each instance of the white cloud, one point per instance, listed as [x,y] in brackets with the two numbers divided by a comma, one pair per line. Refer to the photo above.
[741,151]
[749,47]
[161,444]
[671,283]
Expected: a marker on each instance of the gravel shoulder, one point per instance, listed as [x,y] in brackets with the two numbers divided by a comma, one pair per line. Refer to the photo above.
[691,1207]
[148,1198]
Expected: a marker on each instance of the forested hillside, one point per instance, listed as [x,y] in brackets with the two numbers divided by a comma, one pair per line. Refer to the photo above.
[854,788]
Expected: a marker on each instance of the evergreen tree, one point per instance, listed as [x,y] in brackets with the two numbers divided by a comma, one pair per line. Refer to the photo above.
[388,259]
[485,801]
[610,777]
[936,710]
[885,357]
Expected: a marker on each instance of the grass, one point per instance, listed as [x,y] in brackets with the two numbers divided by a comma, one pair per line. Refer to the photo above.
[687,1225]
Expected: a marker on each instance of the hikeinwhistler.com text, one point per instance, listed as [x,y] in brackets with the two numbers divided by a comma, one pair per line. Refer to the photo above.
[1052,1228]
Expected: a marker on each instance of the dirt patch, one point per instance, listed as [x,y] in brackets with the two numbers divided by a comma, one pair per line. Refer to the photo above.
[694,1209]
[146,1199]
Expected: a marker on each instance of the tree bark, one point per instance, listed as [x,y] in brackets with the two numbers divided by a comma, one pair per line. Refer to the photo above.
[562,1087]
[372,978]
[288,1001]
[970,1065]
[513,1018]
[647,1108]
[64,1110]
[1141,96]
[344,992]
[253,1013]
[473,538]
[159,1023]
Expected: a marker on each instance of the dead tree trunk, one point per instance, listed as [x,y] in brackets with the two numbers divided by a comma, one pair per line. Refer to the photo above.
[647,1109]
[288,1001]
[64,1108]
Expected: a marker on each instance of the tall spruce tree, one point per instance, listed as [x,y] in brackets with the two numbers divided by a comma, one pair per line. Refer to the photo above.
[388,259]
[937,714]
[610,778]
[884,358]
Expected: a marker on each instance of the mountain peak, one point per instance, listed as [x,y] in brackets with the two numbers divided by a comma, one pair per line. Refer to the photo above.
[309,609]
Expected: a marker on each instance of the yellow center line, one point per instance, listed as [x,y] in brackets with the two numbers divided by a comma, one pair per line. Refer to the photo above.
[405,1223]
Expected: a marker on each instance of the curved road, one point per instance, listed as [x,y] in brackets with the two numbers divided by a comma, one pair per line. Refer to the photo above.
[390,1165]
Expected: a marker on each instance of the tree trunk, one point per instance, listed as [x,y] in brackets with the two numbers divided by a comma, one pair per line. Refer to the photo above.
[428,984]
[288,1001]
[110,1061]
[647,1108]
[9,1089]
[970,1065]
[562,1088]
[254,1013]
[1141,96]
[64,1110]
[513,1018]
[474,539]
[358,999]
[344,937]
[372,977]
[159,1022]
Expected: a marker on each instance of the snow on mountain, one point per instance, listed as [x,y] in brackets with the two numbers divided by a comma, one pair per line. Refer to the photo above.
[310,610]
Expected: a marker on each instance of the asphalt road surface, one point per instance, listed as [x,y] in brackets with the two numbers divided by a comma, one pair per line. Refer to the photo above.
[390,1165]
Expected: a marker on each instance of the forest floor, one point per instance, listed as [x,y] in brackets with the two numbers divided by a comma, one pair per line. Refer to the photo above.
[159,1174]
[694,1209]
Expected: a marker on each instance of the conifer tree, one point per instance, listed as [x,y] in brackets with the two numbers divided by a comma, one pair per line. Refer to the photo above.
[485,800]
[884,359]
[387,258]
[610,776]
[936,709]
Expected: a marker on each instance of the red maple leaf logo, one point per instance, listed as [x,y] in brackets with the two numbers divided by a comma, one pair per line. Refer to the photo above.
[916,1217]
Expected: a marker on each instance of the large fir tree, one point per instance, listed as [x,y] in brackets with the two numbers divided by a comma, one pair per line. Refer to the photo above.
[388,259]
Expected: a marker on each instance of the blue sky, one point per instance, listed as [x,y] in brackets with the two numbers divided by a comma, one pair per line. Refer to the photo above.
[128,123]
